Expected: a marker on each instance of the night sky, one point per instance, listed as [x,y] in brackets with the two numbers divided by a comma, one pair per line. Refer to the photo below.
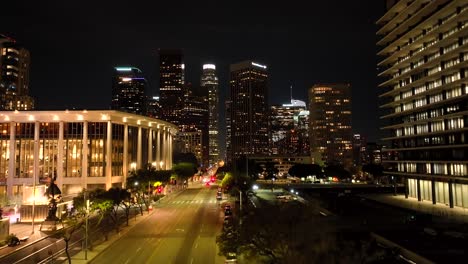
[74,47]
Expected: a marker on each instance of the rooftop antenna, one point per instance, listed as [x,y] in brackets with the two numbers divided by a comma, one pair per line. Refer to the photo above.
[291,94]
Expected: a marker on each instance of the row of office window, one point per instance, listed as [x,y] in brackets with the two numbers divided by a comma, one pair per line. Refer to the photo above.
[453,169]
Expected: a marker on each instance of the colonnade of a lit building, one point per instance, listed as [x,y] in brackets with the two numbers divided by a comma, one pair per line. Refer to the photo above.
[82,149]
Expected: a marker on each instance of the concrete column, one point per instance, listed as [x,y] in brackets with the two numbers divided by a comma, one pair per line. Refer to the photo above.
[166,149]
[139,149]
[84,158]
[163,149]
[406,187]
[158,149]
[11,161]
[418,189]
[108,156]
[150,146]
[59,164]
[450,186]
[125,155]
[170,150]
[36,152]
[434,198]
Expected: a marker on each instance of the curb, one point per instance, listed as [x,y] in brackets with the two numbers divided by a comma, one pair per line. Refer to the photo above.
[116,237]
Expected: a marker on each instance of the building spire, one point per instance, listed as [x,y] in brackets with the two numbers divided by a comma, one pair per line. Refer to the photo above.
[291,93]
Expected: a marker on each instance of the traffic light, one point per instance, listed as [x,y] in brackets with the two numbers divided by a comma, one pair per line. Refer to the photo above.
[159,189]
[213,178]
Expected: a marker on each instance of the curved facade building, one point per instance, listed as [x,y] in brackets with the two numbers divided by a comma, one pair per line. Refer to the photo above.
[424,49]
[82,149]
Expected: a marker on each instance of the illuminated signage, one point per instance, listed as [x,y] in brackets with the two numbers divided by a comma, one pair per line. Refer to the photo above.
[209,66]
[259,65]
[123,68]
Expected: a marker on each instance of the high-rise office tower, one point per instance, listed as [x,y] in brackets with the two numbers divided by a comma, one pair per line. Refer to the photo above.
[359,149]
[193,126]
[330,123]
[171,84]
[248,109]
[128,90]
[423,51]
[227,150]
[209,82]
[287,137]
[14,76]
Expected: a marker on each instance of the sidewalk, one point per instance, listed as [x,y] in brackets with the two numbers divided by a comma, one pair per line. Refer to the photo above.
[23,230]
[456,214]
[97,249]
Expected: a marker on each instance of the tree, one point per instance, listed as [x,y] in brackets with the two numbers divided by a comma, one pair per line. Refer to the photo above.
[297,235]
[270,171]
[376,170]
[72,223]
[304,170]
[337,171]
[184,170]
[227,181]
[185,158]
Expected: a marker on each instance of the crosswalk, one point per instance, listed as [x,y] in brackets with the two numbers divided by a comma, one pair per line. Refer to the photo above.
[212,201]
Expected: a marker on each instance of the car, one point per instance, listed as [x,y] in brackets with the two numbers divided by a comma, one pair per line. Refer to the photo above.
[219,196]
[227,206]
[231,257]
[227,212]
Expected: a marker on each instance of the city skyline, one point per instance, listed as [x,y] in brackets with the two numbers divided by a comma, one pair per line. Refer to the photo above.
[291,40]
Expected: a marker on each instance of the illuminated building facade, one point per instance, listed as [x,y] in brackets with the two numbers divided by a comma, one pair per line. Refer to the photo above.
[83,149]
[193,126]
[128,91]
[209,82]
[330,123]
[14,76]
[171,84]
[287,135]
[248,109]
[359,149]
[423,49]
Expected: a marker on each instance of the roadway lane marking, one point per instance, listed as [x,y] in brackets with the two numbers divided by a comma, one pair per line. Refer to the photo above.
[196,245]
[128,260]
[191,261]
[138,249]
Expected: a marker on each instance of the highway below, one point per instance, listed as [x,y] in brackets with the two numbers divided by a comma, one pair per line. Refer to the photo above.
[182,229]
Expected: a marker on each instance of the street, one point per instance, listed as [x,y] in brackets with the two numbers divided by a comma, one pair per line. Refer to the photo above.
[182,229]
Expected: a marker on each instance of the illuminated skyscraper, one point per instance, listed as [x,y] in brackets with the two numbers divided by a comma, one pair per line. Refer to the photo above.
[14,76]
[193,126]
[171,84]
[287,136]
[248,109]
[128,90]
[424,49]
[209,82]
[330,123]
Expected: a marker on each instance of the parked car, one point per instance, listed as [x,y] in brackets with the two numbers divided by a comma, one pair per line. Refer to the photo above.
[231,257]
[227,212]
[219,196]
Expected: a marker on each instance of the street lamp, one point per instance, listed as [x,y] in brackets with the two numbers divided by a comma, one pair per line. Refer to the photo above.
[161,163]
[133,165]
[154,164]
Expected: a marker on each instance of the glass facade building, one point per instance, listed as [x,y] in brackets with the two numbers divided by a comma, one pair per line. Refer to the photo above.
[248,122]
[128,91]
[81,149]
[288,135]
[171,84]
[209,82]
[14,76]
[330,123]
[423,49]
